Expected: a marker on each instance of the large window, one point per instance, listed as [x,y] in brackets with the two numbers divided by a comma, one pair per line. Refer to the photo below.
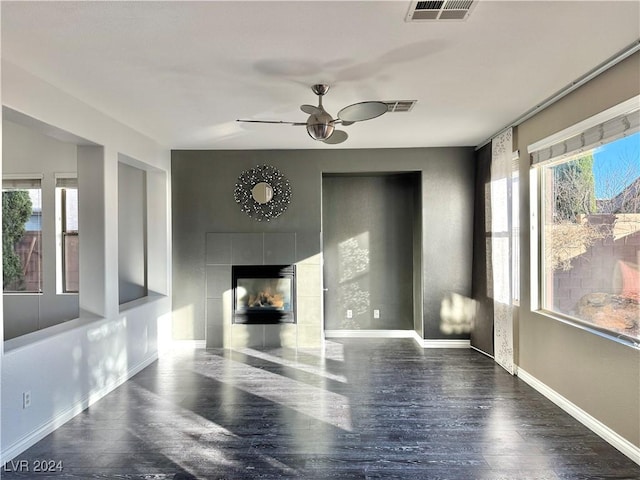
[22,235]
[589,235]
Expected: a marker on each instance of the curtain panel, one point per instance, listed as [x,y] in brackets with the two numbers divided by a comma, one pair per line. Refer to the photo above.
[501,254]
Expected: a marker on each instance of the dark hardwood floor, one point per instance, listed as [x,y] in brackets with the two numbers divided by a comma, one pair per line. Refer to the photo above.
[366,409]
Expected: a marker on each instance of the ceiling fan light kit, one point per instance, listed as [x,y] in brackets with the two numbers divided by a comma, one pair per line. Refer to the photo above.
[321,125]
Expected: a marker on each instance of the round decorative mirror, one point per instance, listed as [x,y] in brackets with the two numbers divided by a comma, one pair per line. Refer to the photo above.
[263,192]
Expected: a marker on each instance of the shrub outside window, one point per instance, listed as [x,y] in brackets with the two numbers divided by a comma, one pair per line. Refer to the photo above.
[590,234]
[22,235]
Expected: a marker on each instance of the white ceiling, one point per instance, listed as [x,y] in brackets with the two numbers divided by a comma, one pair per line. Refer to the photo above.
[183,72]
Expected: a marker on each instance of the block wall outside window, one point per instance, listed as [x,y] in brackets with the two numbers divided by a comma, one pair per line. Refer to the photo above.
[590,223]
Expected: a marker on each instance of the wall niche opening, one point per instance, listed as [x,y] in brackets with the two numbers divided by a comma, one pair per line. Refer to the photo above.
[264,294]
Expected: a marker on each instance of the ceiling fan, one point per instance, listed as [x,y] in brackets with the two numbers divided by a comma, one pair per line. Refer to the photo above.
[321,126]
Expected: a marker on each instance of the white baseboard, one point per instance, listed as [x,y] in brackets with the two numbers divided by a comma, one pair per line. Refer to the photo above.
[424,343]
[427,343]
[188,344]
[482,352]
[592,423]
[369,333]
[12,451]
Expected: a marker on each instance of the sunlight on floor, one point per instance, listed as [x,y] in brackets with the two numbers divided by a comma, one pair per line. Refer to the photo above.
[237,372]
[199,436]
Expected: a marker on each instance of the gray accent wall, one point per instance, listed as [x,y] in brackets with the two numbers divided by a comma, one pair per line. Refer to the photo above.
[203,202]
[482,328]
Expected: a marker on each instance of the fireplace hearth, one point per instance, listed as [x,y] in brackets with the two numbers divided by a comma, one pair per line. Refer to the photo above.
[263,294]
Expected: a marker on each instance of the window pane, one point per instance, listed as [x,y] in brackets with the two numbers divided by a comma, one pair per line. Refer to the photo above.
[592,237]
[70,239]
[22,238]
[71,264]
[71,209]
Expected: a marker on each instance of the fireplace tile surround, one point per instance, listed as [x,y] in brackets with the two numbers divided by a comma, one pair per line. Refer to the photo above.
[223,250]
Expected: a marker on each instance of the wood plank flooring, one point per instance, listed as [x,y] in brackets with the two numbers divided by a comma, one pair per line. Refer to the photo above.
[362,409]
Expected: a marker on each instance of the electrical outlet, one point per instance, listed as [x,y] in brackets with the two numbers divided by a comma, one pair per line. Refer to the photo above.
[26,399]
[349,313]
[376,313]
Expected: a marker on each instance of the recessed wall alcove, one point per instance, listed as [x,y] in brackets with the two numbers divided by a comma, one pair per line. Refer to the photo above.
[301,251]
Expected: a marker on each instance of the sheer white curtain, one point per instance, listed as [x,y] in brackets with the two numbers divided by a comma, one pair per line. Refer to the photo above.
[501,229]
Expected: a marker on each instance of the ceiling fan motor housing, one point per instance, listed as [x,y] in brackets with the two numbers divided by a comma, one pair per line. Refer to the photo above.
[320,125]
[320,89]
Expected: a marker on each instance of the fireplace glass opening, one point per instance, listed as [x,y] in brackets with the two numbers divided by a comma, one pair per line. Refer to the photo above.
[263,294]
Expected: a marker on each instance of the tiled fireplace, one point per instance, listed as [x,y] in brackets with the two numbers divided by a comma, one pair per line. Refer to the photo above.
[263,289]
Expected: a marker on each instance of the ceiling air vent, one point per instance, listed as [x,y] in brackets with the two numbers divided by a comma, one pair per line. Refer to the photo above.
[440,10]
[400,105]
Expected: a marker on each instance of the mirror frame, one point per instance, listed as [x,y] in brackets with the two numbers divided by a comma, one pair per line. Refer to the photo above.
[270,209]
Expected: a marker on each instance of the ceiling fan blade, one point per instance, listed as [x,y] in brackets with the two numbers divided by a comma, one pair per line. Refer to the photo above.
[272,121]
[346,124]
[359,112]
[338,136]
[309,109]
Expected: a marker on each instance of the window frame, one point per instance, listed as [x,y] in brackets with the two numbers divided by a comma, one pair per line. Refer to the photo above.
[537,204]
[62,232]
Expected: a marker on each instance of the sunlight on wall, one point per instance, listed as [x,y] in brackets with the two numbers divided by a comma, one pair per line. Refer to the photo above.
[354,257]
[353,277]
[227,314]
[164,332]
[107,367]
[76,355]
[184,316]
[456,314]
[105,330]
[313,260]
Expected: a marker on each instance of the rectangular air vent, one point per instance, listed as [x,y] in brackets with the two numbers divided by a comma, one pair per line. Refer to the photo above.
[440,10]
[400,105]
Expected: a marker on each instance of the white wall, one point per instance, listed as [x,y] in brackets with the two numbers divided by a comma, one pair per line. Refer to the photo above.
[132,248]
[69,366]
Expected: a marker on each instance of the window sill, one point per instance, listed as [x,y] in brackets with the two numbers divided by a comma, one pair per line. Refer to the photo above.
[23,294]
[46,333]
[594,329]
[151,297]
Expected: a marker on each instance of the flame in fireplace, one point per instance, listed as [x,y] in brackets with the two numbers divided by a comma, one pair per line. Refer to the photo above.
[266,298]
